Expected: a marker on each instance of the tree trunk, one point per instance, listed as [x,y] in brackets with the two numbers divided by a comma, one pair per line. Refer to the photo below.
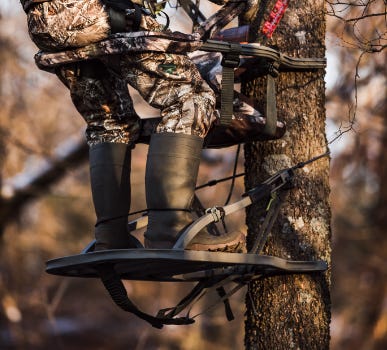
[293,312]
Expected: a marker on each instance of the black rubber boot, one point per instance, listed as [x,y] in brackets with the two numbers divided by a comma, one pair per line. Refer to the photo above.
[170,180]
[110,187]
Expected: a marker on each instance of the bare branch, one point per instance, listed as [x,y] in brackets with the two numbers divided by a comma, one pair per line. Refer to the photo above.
[363,16]
[11,207]
[361,27]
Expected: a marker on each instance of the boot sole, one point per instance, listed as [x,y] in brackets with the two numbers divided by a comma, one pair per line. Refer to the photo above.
[237,245]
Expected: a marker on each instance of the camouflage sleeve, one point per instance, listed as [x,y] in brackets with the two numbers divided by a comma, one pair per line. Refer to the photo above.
[60,24]
[122,44]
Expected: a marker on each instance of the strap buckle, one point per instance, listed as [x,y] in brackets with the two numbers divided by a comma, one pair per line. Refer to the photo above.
[216,212]
[231,59]
[129,12]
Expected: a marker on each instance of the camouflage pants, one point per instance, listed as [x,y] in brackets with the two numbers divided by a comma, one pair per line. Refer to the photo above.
[98,89]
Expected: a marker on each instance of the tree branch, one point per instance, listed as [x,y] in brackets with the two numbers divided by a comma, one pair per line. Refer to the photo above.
[10,207]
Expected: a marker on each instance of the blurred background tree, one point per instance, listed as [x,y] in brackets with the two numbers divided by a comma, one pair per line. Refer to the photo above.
[356,102]
[40,130]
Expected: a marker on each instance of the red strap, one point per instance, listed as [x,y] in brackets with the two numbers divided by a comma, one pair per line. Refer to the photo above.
[274,18]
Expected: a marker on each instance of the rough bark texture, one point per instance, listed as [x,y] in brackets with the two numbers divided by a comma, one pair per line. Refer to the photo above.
[293,312]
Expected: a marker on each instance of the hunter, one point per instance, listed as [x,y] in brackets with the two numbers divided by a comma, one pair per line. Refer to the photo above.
[98,88]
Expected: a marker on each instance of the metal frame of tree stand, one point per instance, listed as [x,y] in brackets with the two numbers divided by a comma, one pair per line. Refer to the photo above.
[208,269]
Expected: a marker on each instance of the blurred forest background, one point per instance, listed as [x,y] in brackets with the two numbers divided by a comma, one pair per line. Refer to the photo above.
[46,209]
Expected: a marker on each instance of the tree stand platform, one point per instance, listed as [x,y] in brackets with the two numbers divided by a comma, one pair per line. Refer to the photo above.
[208,269]
[166,265]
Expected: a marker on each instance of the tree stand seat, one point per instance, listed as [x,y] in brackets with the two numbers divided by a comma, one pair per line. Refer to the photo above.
[232,60]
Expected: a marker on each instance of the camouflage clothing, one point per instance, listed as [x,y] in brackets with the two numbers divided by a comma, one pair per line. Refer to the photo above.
[122,44]
[61,24]
[103,101]
[170,82]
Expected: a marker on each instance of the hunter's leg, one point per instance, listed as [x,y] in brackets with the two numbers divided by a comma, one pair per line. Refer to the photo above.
[112,129]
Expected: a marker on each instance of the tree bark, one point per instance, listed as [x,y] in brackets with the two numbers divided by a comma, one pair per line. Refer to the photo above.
[293,311]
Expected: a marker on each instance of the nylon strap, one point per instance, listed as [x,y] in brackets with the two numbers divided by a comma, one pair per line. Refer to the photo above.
[271,108]
[202,222]
[190,298]
[254,195]
[227,307]
[274,18]
[117,291]
[198,292]
[267,224]
[224,296]
[230,62]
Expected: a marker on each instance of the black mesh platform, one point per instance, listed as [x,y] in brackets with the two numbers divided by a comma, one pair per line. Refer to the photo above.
[176,265]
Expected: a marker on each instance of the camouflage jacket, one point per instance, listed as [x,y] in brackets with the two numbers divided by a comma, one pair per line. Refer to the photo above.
[58,25]
[27,3]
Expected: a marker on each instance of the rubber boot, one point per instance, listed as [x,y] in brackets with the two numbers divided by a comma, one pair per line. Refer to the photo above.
[110,187]
[170,180]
